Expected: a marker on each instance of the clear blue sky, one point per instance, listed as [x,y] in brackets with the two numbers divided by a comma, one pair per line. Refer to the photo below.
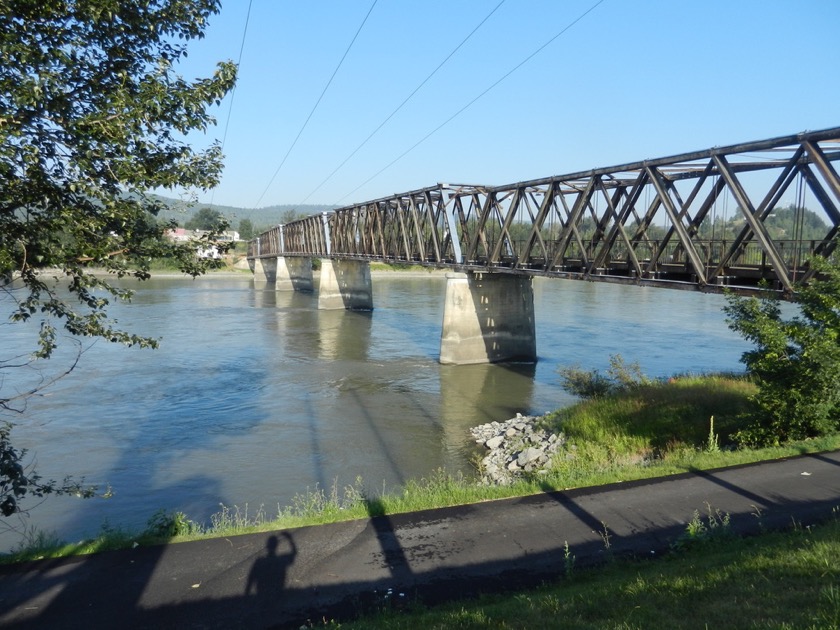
[631,80]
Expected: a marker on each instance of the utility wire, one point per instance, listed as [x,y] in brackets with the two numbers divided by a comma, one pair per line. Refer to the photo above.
[401,105]
[326,87]
[465,107]
[233,90]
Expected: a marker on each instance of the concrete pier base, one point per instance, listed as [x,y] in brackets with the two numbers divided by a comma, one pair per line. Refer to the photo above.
[293,274]
[269,266]
[488,318]
[345,284]
[259,269]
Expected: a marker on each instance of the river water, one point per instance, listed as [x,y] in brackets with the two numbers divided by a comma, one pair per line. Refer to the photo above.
[255,395]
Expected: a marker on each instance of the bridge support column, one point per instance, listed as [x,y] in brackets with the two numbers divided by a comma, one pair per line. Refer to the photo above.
[260,272]
[269,266]
[293,274]
[488,318]
[345,284]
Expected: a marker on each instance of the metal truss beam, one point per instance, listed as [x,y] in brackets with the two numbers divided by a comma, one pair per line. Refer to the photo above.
[663,222]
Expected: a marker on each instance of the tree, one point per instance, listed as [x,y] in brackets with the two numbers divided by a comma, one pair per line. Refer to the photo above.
[93,115]
[289,215]
[246,229]
[795,362]
[205,219]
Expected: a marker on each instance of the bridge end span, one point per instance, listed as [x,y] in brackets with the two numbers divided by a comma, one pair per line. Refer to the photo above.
[345,284]
[488,318]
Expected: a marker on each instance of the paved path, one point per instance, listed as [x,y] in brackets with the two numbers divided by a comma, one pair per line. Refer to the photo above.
[284,578]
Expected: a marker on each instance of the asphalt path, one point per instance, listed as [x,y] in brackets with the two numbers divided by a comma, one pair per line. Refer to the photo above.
[286,578]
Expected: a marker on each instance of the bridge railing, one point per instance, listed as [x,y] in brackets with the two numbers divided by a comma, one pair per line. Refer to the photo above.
[707,218]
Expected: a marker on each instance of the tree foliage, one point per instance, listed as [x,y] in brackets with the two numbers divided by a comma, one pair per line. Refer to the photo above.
[93,116]
[246,229]
[206,219]
[795,362]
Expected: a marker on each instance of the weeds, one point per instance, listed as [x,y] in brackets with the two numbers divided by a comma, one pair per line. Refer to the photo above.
[715,527]
[167,525]
[712,441]
[235,520]
[606,538]
[568,559]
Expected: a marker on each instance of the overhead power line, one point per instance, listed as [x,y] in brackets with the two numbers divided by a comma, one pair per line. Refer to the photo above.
[468,105]
[233,90]
[401,105]
[324,91]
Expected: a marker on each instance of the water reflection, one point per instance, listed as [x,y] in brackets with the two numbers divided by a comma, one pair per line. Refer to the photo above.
[490,392]
[343,335]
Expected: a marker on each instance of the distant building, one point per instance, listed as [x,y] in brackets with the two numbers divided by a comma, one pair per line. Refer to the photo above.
[183,235]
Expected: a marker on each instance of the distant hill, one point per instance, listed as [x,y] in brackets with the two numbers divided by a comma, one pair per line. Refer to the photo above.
[261,218]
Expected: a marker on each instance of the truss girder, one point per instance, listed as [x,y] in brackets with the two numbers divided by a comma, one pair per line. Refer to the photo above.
[663,221]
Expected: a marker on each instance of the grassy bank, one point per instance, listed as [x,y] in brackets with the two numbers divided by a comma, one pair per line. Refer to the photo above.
[776,580]
[648,430]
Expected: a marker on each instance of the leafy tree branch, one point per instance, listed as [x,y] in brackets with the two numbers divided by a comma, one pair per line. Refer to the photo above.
[94,116]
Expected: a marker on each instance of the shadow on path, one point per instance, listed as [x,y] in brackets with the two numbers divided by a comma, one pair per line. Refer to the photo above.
[268,575]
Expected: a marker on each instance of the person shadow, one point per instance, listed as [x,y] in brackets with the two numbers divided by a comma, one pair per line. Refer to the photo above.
[268,575]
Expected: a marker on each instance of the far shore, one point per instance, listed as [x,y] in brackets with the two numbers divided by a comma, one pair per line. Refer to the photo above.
[228,273]
[243,273]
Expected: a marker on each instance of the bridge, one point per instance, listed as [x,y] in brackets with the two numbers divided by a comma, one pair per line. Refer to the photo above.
[705,221]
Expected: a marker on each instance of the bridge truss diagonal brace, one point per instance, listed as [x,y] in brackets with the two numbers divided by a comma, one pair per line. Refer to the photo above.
[488,318]
[450,211]
[753,220]
[675,215]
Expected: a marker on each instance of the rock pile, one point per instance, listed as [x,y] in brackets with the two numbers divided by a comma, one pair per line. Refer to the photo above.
[516,446]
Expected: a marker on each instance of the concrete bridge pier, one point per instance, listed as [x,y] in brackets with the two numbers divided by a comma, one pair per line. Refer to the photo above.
[488,318]
[264,269]
[269,266]
[293,274]
[345,284]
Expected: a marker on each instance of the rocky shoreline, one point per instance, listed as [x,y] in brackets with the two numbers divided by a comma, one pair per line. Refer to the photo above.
[516,447]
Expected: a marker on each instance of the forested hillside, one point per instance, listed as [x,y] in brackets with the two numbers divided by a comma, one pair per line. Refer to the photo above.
[259,218]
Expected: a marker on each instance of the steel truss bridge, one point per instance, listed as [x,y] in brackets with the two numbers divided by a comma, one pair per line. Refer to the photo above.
[701,220]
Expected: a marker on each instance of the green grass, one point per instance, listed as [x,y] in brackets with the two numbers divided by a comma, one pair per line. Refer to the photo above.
[777,580]
[650,430]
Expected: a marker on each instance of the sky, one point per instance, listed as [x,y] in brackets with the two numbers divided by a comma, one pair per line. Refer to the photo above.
[621,81]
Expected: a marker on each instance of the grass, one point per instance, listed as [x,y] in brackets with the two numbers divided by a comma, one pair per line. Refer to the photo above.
[649,430]
[777,580]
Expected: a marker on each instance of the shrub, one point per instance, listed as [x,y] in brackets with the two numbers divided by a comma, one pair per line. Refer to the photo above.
[795,362]
[592,384]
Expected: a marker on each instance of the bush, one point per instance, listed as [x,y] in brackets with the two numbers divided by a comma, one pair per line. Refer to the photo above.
[795,363]
[592,384]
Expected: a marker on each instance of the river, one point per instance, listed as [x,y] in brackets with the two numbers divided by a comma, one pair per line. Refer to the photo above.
[255,395]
